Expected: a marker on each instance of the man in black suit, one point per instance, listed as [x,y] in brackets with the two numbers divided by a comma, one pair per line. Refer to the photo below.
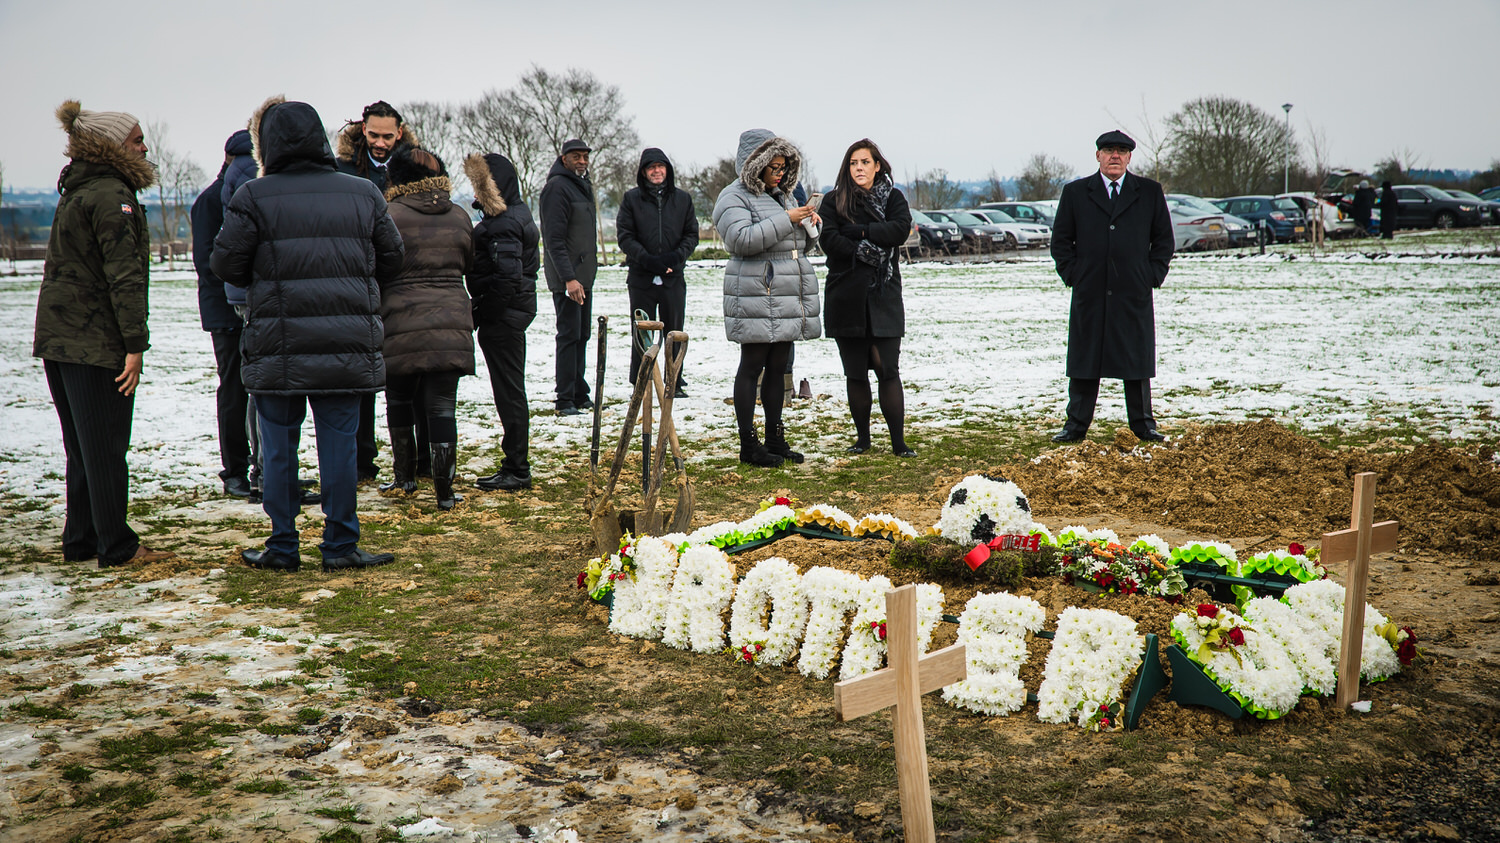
[1112,243]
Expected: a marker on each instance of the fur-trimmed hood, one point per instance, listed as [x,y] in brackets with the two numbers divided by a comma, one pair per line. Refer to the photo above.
[757,148]
[440,189]
[496,186]
[284,134]
[352,143]
[137,172]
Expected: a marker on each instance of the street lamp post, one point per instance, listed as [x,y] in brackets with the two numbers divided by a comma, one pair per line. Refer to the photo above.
[1286,151]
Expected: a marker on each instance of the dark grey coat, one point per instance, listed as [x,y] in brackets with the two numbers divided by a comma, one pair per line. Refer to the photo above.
[1112,258]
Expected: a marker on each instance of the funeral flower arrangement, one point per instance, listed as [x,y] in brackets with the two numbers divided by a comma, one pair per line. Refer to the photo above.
[1262,679]
[1101,562]
[981,507]
[1093,654]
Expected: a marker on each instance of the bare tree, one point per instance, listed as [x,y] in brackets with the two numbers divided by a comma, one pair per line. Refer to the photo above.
[1397,166]
[1043,177]
[1149,141]
[1317,149]
[706,183]
[178,182]
[436,127]
[933,190]
[1217,146]
[993,190]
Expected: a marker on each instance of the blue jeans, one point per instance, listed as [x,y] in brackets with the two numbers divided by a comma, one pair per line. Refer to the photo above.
[335,419]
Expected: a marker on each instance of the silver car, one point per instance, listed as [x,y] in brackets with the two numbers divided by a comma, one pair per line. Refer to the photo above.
[1241,232]
[1018,235]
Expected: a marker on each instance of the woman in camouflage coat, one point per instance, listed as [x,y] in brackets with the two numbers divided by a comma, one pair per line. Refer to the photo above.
[91,325]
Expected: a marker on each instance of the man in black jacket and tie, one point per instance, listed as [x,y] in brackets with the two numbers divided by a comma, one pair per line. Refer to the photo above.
[1112,243]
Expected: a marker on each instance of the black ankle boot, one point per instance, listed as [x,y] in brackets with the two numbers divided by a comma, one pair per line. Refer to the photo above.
[403,461]
[444,466]
[776,443]
[754,453]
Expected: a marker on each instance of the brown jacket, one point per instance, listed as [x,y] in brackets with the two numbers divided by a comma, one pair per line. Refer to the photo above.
[429,325]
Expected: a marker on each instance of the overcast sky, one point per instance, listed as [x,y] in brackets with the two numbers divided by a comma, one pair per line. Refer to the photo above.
[966,86]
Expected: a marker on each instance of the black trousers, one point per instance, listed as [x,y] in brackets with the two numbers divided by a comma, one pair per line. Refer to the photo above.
[365,449]
[233,407]
[1083,394]
[504,350]
[96,438]
[574,324]
[667,303]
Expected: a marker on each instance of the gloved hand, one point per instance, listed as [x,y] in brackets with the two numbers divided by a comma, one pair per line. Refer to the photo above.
[651,264]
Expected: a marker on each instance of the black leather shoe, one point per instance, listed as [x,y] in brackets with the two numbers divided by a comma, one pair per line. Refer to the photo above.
[504,481]
[237,487]
[1149,435]
[357,559]
[586,404]
[310,498]
[568,410]
[269,560]
[905,452]
[1068,434]
[857,448]
[680,393]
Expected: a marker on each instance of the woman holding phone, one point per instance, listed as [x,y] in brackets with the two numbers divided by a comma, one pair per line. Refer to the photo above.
[865,221]
[770,288]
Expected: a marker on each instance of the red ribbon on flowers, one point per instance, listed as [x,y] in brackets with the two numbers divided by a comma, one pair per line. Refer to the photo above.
[981,553]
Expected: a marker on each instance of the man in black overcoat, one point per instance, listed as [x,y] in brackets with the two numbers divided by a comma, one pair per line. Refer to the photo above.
[1112,243]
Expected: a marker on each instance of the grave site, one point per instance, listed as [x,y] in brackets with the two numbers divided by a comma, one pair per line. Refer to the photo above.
[1253,631]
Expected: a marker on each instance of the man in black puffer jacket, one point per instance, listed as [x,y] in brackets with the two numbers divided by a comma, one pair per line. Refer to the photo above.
[658,231]
[312,246]
[503,289]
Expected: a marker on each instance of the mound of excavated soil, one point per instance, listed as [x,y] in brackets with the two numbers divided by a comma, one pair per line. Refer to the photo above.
[1262,479]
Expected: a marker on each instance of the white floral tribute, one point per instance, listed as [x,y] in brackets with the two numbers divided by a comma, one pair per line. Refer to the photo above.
[884,524]
[827,516]
[1322,603]
[1094,652]
[1073,534]
[831,595]
[640,602]
[712,533]
[770,610]
[866,648]
[1249,665]
[993,630]
[1305,641]
[701,592]
[1151,543]
[980,508]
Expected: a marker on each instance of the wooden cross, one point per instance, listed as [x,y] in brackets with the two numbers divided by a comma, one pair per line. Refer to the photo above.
[902,684]
[1355,546]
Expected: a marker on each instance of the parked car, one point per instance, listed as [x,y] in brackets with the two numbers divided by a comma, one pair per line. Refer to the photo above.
[1282,216]
[1489,210]
[1337,223]
[937,237]
[1490,194]
[1241,231]
[979,235]
[1195,231]
[1017,235]
[1425,206]
[1033,213]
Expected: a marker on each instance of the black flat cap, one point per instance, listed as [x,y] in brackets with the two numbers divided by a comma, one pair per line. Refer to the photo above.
[576,145]
[1114,137]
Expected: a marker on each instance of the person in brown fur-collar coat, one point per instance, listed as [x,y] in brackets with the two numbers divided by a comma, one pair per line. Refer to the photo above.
[91,325]
[429,332]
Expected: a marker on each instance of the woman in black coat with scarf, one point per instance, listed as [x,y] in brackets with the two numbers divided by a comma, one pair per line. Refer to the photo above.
[865,221]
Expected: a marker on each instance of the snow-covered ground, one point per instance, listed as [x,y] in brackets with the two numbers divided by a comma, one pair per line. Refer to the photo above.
[1346,340]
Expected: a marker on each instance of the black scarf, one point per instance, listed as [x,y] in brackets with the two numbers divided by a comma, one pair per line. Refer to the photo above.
[884,260]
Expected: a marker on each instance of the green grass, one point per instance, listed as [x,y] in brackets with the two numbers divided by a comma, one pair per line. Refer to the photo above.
[27,708]
[269,787]
[346,814]
[139,752]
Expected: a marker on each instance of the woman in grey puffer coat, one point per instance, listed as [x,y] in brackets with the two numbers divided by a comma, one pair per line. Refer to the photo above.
[770,288]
